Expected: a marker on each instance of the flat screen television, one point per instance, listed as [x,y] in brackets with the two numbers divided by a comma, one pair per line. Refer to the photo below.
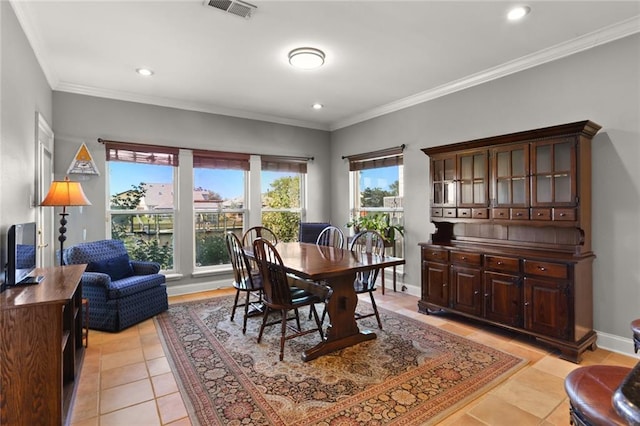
[21,255]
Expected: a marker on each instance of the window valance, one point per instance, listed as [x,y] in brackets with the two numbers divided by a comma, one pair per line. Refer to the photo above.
[375,159]
[140,153]
[274,163]
[220,160]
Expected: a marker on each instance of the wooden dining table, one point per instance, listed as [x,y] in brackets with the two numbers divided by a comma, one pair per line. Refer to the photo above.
[337,268]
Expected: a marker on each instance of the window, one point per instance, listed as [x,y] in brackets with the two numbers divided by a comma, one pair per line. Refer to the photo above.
[218,203]
[141,200]
[378,189]
[283,182]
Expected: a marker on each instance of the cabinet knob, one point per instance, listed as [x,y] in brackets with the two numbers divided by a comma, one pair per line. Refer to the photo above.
[444,284]
[500,214]
[526,303]
[518,214]
[486,295]
[464,258]
[563,214]
[476,292]
[539,214]
[542,268]
[500,262]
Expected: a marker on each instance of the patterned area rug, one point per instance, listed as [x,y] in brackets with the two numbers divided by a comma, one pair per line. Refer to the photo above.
[412,374]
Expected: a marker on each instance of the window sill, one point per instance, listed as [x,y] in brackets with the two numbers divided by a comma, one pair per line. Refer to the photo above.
[212,272]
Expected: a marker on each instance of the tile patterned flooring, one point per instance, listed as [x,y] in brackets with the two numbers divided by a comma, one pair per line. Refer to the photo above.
[126,379]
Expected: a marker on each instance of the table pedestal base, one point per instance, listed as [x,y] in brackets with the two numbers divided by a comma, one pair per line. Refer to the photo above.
[327,346]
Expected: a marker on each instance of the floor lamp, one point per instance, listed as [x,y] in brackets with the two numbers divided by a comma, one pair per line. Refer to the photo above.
[62,194]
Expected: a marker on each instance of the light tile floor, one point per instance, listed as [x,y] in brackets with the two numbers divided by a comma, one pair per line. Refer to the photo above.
[126,379]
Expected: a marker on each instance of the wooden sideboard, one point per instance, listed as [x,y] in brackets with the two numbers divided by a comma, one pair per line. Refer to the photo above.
[512,245]
[41,349]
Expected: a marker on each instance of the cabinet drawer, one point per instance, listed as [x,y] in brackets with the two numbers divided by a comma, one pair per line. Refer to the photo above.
[448,212]
[465,257]
[546,269]
[436,212]
[501,263]
[541,214]
[464,213]
[480,213]
[429,253]
[564,214]
[500,213]
[519,214]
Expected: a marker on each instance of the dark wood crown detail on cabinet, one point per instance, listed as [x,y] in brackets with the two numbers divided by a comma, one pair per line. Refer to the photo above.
[512,245]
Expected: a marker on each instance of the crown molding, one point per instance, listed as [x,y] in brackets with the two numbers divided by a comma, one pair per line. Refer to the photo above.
[181,104]
[605,35]
[35,40]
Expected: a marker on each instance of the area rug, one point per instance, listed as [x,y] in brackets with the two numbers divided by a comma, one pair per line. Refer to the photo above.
[412,374]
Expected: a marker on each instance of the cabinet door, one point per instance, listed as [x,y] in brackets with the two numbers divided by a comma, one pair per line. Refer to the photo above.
[553,173]
[503,298]
[473,181]
[466,285]
[443,176]
[510,168]
[435,284]
[547,308]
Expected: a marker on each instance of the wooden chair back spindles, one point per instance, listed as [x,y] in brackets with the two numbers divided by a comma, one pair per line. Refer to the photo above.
[331,236]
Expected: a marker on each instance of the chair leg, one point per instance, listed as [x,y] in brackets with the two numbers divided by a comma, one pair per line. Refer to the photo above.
[246,313]
[264,322]
[375,310]
[297,319]
[235,304]
[283,331]
[324,313]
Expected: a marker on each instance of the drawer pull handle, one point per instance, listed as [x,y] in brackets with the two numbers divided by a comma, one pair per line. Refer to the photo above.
[500,214]
[542,268]
[486,295]
[444,285]
[464,258]
[526,303]
[435,253]
[539,214]
[563,214]
[476,292]
[518,214]
[500,262]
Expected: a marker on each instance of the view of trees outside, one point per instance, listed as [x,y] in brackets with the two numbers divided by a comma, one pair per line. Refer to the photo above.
[281,206]
[380,192]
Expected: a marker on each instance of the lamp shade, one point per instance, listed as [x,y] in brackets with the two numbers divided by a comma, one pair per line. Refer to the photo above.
[65,193]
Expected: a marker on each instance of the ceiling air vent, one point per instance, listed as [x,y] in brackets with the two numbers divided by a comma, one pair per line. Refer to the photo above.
[235,7]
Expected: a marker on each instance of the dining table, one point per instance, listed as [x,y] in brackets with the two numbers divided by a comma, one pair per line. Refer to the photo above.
[336,268]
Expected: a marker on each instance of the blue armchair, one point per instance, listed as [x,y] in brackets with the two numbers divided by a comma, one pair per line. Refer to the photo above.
[121,292]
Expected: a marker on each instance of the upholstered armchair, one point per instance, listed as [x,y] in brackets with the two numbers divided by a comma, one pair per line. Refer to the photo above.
[121,292]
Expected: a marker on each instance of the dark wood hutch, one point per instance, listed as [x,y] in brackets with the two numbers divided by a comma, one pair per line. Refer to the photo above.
[512,245]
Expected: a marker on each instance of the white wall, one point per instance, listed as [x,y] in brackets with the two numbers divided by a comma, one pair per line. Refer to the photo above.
[23,92]
[602,85]
[80,118]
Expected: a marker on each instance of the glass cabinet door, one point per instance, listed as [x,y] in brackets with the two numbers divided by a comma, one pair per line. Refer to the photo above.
[511,171]
[443,178]
[473,179]
[553,173]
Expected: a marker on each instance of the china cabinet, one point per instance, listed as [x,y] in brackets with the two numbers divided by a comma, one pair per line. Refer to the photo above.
[512,245]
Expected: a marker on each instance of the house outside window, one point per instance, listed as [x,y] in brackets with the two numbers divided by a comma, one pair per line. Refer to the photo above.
[142,200]
[219,202]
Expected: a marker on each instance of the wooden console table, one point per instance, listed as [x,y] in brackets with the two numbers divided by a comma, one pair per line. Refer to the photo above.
[41,349]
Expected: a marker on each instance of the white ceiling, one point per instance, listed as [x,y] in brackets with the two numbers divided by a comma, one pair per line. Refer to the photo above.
[381,56]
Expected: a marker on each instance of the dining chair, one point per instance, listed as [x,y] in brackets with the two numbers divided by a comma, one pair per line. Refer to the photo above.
[368,243]
[245,280]
[259,232]
[278,295]
[308,231]
[331,236]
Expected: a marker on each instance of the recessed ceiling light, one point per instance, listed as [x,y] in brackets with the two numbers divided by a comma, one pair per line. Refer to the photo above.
[518,13]
[306,58]
[317,106]
[144,72]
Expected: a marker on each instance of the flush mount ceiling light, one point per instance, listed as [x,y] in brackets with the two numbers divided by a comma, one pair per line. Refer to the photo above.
[144,72]
[518,13]
[306,58]
[317,106]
